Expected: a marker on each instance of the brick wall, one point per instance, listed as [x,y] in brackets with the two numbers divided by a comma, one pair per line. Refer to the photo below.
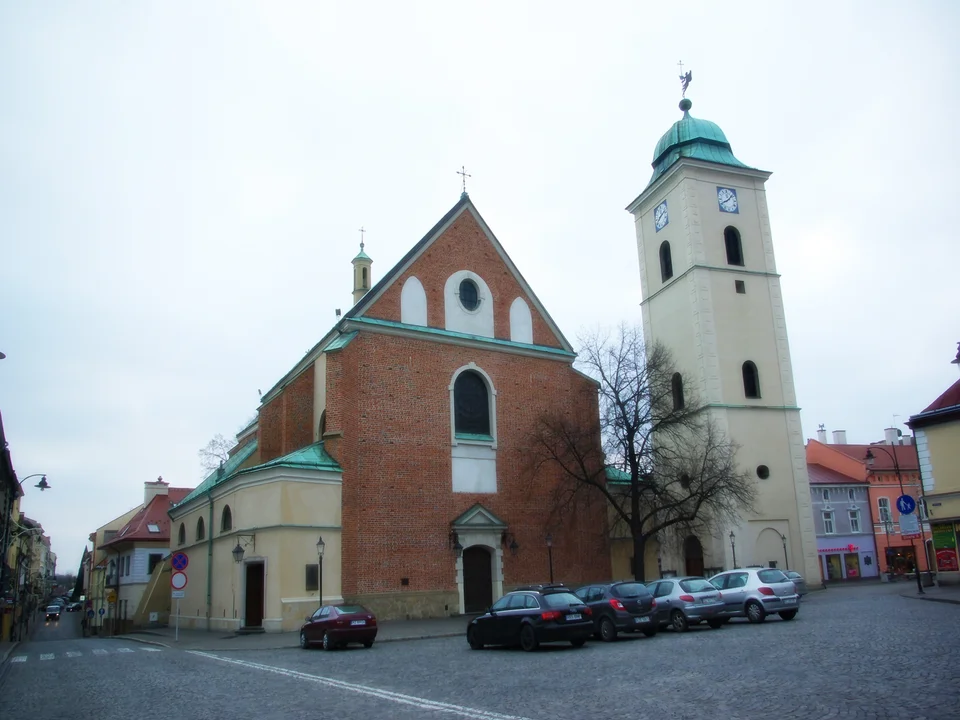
[286,422]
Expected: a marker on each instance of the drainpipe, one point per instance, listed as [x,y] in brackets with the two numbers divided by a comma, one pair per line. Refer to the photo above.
[210,555]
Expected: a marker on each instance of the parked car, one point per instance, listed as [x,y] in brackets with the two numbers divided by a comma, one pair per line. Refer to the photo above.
[53,612]
[754,593]
[533,615]
[620,607]
[73,607]
[686,601]
[798,581]
[335,626]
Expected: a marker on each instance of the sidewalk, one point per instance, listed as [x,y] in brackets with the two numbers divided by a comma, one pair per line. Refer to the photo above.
[388,631]
[943,594]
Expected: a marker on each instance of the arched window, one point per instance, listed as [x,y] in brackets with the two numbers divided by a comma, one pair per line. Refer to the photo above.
[182,535]
[201,531]
[731,238]
[364,286]
[226,519]
[666,262]
[676,384]
[751,380]
[323,423]
[471,405]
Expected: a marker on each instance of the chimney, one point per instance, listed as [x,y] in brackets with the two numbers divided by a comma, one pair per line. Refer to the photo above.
[891,436]
[822,434]
[907,439]
[152,489]
[839,437]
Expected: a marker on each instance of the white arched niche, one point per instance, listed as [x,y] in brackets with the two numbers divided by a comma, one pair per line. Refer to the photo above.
[458,318]
[521,323]
[413,303]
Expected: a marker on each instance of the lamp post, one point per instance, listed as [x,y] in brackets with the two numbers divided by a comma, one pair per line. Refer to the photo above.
[733,548]
[320,548]
[550,555]
[786,561]
[43,484]
[869,458]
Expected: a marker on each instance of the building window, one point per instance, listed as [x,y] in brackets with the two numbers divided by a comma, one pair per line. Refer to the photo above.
[741,287]
[883,505]
[676,383]
[364,272]
[471,405]
[825,493]
[313,578]
[666,262]
[854,521]
[751,380]
[201,531]
[731,238]
[851,495]
[155,559]
[922,508]
[126,566]
[469,295]
[226,519]
[182,535]
[828,528]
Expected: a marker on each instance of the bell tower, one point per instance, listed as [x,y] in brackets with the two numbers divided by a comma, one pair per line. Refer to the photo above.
[361,272]
[711,294]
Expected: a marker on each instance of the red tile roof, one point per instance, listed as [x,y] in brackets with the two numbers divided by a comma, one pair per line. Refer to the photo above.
[949,399]
[153,513]
[820,475]
[906,455]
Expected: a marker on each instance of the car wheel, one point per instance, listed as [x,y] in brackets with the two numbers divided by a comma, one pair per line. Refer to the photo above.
[472,638]
[679,621]
[368,644]
[651,632]
[715,624]
[755,612]
[579,642]
[328,644]
[528,639]
[608,631]
[788,614]
[303,640]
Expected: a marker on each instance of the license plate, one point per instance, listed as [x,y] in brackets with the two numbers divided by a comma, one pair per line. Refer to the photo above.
[791,601]
[358,622]
[641,620]
[573,616]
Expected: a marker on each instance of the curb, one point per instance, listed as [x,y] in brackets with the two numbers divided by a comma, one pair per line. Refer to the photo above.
[175,646]
[138,640]
[932,599]
[7,652]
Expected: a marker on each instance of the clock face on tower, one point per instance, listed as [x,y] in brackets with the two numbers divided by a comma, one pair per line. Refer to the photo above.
[727,197]
[660,217]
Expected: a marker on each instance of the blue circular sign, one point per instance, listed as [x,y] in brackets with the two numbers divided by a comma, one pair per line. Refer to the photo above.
[906,504]
[89,613]
[179,561]
[102,611]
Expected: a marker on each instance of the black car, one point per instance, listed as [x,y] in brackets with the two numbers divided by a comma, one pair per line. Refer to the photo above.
[533,615]
[53,612]
[620,607]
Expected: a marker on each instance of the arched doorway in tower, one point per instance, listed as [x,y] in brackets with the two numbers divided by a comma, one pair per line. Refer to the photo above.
[693,554]
[477,579]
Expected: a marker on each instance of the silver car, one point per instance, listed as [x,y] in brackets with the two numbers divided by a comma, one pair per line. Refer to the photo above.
[686,601]
[798,582]
[754,593]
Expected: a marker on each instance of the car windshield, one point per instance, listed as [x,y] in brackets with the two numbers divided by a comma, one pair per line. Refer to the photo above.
[53,609]
[561,599]
[631,590]
[349,609]
[696,585]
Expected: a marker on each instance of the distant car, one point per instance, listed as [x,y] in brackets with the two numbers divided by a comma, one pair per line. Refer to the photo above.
[686,601]
[335,626]
[53,612]
[73,607]
[533,615]
[620,607]
[798,581]
[754,593]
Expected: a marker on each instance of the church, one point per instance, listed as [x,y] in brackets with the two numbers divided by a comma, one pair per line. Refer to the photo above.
[388,466]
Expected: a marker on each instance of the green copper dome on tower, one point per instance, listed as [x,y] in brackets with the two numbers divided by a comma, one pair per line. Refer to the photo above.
[692,138]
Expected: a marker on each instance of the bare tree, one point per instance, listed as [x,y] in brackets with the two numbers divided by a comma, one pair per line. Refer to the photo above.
[214,452]
[654,454]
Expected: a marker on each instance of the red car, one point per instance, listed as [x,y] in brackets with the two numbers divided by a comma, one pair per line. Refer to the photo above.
[336,625]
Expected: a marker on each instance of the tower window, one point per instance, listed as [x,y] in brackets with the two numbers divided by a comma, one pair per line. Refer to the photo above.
[666,262]
[676,383]
[731,238]
[741,287]
[471,405]
[364,280]
[751,380]
[469,295]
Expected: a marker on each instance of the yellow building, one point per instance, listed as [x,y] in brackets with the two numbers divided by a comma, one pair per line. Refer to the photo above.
[937,431]
[101,594]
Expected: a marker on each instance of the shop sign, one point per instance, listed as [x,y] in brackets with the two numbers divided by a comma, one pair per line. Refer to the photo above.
[945,546]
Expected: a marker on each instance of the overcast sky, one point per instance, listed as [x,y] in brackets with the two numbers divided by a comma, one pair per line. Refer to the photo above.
[182,184]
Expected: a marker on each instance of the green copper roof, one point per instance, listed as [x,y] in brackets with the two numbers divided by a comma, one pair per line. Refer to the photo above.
[341,342]
[693,138]
[616,475]
[362,255]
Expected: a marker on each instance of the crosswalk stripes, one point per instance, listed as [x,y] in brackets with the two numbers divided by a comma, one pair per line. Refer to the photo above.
[19,658]
[78,653]
[100,651]
[151,649]
[125,650]
[73,653]
[46,656]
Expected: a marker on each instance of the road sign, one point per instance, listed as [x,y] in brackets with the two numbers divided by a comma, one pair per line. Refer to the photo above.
[102,611]
[111,595]
[178,594]
[178,581]
[906,504]
[90,613]
[909,526]
[179,561]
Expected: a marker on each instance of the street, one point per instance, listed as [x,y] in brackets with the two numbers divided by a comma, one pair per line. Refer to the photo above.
[859,652]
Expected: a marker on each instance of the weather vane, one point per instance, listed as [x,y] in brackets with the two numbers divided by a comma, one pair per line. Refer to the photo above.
[685,79]
[462,172]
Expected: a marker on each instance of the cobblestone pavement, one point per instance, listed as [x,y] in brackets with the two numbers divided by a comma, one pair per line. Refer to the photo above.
[856,652]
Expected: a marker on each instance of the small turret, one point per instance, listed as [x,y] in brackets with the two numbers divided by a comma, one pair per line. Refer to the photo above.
[361,274]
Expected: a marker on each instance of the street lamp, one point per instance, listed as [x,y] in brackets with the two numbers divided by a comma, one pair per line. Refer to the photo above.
[43,484]
[786,562]
[320,547]
[550,554]
[869,457]
[733,548]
